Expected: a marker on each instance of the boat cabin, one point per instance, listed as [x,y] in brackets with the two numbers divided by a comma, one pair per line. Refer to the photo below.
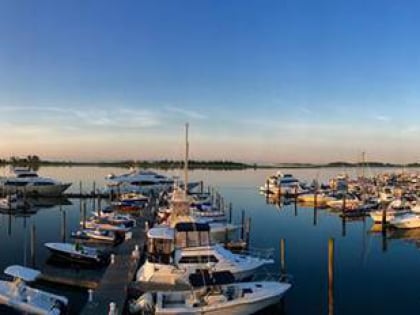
[162,241]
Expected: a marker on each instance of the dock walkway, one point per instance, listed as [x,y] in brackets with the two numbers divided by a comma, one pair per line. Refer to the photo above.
[119,274]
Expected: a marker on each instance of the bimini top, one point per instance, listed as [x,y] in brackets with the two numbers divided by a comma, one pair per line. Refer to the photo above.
[161,232]
[26,274]
[192,227]
[203,278]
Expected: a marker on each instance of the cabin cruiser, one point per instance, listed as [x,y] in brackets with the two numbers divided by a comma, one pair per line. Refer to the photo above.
[79,253]
[283,184]
[174,253]
[18,295]
[30,183]
[140,181]
[212,293]
[395,209]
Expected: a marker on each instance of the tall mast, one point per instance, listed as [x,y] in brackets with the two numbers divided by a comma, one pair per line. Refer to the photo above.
[186,160]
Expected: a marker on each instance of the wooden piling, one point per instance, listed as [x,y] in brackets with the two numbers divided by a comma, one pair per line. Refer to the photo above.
[316,198]
[296,209]
[63,226]
[343,225]
[84,215]
[248,232]
[331,276]
[282,257]
[201,187]
[383,218]
[33,241]
[242,224]
[315,216]
[230,212]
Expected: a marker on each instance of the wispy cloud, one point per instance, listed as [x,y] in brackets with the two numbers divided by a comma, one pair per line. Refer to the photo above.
[185,112]
[382,118]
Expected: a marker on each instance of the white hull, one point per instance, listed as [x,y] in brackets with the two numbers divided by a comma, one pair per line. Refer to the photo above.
[409,221]
[390,215]
[250,303]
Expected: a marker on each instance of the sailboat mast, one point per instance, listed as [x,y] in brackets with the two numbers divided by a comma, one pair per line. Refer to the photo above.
[186,159]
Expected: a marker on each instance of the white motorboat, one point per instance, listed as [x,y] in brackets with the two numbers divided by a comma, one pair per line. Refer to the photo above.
[284,184]
[30,183]
[142,181]
[174,253]
[78,253]
[213,294]
[406,221]
[18,295]
[97,235]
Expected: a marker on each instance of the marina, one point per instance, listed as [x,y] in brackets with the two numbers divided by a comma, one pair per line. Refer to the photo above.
[298,233]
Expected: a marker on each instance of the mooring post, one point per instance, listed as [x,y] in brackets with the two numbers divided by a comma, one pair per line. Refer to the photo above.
[383,218]
[248,232]
[296,209]
[201,187]
[226,236]
[33,241]
[331,276]
[282,257]
[384,234]
[230,212]
[242,224]
[316,198]
[315,215]
[99,205]
[343,225]
[84,214]
[80,188]
[63,225]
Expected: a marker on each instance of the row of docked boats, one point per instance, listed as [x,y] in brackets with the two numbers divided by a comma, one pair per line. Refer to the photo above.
[183,249]
[392,198]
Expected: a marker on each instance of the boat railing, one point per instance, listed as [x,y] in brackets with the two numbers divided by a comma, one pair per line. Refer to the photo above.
[261,253]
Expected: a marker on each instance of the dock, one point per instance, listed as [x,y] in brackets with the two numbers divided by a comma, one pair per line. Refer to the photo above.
[113,286]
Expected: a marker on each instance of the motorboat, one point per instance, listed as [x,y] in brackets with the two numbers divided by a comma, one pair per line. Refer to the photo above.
[174,253]
[97,235]
[214,293]
[79,253]
[395,209]
[30,183]
[283,184]
[406,221]
[18,295]
[143,181]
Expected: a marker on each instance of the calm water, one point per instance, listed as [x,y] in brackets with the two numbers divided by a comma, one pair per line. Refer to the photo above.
[371,276]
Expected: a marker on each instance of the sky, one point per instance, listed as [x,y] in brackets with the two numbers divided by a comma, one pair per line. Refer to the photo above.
[257,81]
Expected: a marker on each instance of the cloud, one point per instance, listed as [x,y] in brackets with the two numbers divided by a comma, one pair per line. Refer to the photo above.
[382,118]
[185,112]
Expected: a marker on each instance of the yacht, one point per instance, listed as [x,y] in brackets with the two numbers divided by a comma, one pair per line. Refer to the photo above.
[214,293]
[79,253]
[174,253]
[29,182]
[142,181]
[18,295]
[284,184]
[406,221]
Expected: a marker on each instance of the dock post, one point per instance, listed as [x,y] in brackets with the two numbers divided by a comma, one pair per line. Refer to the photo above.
[315,216]
[99,205]
[226,236]
[242,224]
[113,309]
[331,276]
[296,210]
[384,236]
[343,225]
[201,187]
[80,187]
[248,232]
[282,258]
[33,241]
[93,195]
[383,218]
[230,212]
[222,204]
[63,225]
[84,215]
[316,198]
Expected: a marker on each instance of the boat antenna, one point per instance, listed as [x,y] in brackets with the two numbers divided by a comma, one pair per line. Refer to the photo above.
[186,160]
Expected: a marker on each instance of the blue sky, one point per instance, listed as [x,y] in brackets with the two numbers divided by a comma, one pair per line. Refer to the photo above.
[272,81]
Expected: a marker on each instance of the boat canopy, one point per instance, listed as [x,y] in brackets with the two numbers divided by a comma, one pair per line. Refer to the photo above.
[163,232]
[203,278]
[24,273]
[192,227]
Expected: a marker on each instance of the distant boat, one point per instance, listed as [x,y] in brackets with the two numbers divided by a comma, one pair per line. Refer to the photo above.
[18,295]
[30,183]
[79,253]
[213,293]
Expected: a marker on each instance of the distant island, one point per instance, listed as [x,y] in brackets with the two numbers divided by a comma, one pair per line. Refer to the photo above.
[34,162]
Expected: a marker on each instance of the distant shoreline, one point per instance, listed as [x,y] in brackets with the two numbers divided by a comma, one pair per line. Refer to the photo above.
[216,165]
